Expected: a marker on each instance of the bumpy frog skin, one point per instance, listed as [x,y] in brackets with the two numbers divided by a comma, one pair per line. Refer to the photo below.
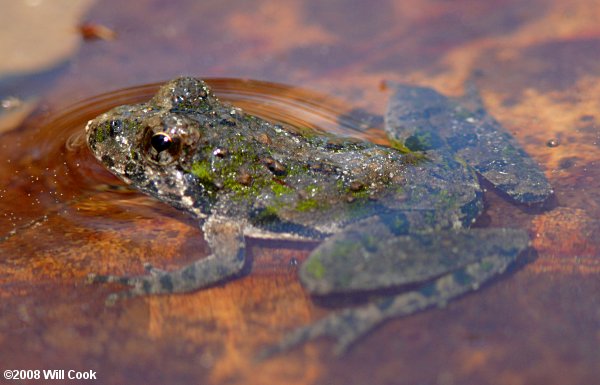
[389,218]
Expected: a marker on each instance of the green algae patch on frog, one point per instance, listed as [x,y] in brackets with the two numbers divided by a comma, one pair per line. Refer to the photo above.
[280,189]
[309,204]
[203,171]
[314,268]
[386,216]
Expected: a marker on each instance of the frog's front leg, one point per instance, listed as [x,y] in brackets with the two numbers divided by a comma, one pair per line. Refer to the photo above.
[446,264]
[226,240]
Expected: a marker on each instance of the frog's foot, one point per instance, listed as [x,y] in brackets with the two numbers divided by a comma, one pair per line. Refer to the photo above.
[445,265]
[150,269]
[126,280]
[156,282]
[350,325]
[345,327]
[139,285]
[227,259]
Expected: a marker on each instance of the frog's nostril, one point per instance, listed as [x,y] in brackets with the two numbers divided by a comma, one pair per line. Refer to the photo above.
[108,161]
[115,127]
[161,141]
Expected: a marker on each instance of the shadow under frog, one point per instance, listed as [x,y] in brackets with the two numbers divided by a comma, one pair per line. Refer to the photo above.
[389,217]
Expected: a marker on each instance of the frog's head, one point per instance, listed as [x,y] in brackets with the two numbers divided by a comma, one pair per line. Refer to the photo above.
[150,145]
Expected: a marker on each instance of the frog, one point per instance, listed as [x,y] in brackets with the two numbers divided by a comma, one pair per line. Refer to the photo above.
[393,223]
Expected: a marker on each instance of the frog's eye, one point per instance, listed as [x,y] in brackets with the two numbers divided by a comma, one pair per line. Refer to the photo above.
[161,147]
[161,141]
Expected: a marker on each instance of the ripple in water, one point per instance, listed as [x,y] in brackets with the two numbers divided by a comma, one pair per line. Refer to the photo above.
[57,174]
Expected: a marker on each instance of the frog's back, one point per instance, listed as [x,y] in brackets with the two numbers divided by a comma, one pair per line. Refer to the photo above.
[307,183]
[285,180]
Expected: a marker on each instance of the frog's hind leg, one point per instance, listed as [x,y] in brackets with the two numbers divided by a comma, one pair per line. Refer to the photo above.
[227,259]
[490,253]
[423,120]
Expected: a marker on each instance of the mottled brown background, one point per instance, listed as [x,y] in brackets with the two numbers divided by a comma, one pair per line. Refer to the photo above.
[537,64]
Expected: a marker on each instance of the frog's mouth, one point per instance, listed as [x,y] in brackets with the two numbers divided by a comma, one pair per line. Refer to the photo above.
[109,144]
[147,152]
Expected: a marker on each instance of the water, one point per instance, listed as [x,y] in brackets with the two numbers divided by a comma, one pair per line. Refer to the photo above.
[54,173]
[66,216]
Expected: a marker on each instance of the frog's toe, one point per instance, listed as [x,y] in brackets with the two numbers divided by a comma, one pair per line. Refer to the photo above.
[154,270]
[138,286]
[345,327]
[346,340]
[109,278]
[91,278]
[103,278]
[113,298]
[295,338]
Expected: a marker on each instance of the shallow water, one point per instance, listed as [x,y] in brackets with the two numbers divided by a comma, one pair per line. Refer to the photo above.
[69,217]
[536,64]
[52,174]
